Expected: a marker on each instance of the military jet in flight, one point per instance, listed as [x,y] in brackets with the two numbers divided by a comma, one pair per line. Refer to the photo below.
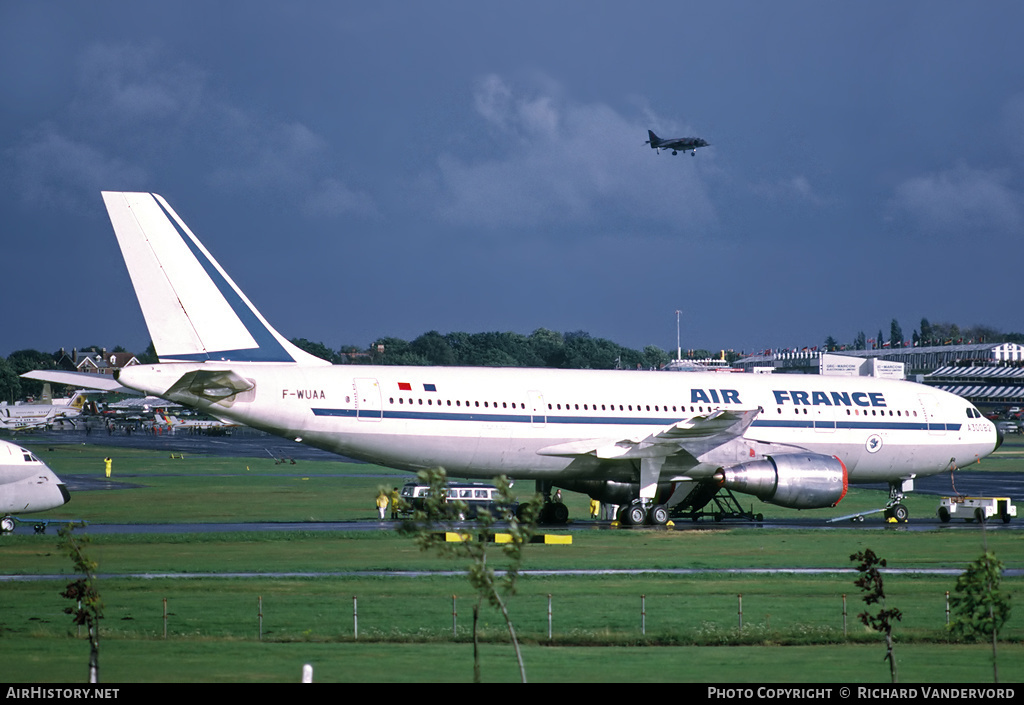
[686,144]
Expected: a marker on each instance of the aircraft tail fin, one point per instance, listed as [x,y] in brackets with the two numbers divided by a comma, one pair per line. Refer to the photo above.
[194,311]
[654,140]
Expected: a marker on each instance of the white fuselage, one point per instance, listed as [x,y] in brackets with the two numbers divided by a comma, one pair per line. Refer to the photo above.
[33,415]
[480,422]
[26,483]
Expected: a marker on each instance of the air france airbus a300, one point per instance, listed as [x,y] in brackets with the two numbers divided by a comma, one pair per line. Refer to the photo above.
[643,440]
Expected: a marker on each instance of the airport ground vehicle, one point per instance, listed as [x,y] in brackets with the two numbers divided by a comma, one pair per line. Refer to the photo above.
[475,495]
[976,508]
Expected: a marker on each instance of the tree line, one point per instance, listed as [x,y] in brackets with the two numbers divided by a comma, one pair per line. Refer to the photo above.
[542,348]
[927,335]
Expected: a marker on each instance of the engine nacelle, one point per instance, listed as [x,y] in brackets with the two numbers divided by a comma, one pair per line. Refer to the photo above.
[796,481]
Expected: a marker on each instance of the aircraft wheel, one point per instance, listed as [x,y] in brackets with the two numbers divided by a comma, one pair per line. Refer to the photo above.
[944,515]
[658,515]
[636,515]
[558,513]
[900,513]
[1005,516]
[6,525]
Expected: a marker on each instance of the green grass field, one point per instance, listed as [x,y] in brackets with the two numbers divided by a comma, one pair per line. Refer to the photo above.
[792,623]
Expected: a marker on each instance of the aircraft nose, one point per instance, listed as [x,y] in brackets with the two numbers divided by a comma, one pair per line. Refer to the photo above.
[999,437]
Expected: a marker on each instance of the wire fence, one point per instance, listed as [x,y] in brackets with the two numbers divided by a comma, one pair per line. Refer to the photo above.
[538,616]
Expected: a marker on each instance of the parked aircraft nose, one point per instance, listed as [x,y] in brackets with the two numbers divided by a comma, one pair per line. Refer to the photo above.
[999,437]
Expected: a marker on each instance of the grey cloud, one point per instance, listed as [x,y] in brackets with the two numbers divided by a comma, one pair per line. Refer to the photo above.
[568,163]
[960,200]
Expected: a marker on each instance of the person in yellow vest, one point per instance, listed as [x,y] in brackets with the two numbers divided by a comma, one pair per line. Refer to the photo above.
[394,502]
[595,508]
[382,503]
[107,463]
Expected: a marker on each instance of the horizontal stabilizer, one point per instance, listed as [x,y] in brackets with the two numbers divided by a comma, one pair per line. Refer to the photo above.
[83,380]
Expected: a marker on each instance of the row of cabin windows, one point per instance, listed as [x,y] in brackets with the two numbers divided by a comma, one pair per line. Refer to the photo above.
[459,402]
[626,407]
[553,407]
[857,412]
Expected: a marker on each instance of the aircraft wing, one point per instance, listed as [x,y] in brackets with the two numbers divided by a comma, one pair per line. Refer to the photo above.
[694,436]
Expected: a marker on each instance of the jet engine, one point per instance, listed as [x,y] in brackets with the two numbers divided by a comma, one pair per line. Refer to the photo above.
[796,481]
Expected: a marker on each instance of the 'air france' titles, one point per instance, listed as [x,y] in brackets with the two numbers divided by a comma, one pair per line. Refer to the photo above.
[711,396]
[795,397]
[802,398]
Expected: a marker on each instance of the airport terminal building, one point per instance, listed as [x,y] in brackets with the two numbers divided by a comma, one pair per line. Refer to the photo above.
[990,374]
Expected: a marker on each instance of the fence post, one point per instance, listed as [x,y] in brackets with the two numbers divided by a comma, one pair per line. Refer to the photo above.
[259,613]
[549,616]
[643,615]
[740,609]
[947,608]
[844,615]
[455,616]
[355,618]
[165,618]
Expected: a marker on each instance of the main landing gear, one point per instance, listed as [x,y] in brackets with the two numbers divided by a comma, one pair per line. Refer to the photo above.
[553,511]
[638,514]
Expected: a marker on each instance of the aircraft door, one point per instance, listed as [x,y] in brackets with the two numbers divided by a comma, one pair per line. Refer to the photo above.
[824,419]
[538,412]
[930,406]
[368,401]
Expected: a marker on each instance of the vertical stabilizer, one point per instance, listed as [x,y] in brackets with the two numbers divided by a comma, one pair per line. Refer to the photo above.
[194,311]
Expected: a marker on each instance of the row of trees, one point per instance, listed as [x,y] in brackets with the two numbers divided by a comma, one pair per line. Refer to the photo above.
[13,386]
[927,334]
[542,348]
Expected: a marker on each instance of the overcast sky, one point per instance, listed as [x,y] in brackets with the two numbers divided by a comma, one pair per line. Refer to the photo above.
[390,168]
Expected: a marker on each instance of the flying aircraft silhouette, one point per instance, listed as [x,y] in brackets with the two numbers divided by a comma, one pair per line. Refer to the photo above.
[686,144]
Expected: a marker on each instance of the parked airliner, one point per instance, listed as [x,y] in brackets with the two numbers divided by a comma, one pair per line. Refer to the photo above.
[643,440]
[26,485]
[21,417]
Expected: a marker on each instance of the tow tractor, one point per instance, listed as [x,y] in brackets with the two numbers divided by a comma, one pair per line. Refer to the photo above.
[979,509]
